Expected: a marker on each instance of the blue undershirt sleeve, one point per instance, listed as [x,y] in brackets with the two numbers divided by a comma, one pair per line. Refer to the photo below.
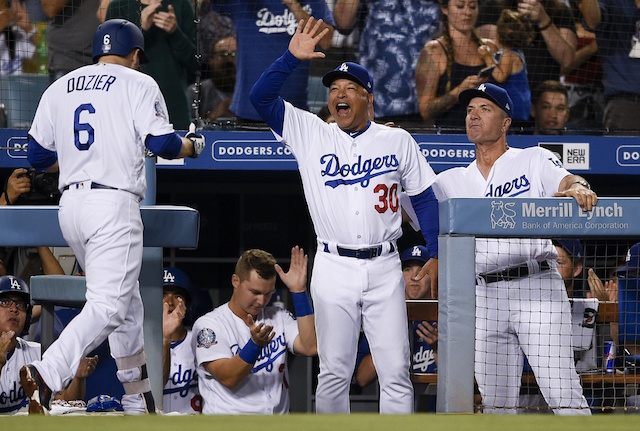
[265,94]
[426,207]
[39,157]
[167,146]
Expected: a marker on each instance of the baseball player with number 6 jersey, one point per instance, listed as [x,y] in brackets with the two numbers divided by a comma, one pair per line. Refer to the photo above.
[352,173]
[94,125]
[521,303]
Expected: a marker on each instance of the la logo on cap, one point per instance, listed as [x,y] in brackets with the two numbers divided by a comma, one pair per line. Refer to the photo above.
[482,88]
[344,68]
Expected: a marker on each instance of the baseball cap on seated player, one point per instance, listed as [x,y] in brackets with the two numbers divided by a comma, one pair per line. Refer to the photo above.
[632,260]
[417,252]
[572,246]
[351,71]
[497,95]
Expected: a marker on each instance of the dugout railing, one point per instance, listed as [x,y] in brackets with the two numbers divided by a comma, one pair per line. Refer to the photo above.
[464,219]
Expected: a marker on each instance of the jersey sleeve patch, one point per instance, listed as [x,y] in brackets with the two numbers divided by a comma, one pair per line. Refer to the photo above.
[206,338]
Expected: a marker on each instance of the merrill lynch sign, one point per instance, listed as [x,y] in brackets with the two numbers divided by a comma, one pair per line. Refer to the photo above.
[542,217]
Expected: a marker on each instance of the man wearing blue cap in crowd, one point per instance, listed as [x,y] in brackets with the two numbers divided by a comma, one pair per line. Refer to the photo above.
[352,172]
[522,307]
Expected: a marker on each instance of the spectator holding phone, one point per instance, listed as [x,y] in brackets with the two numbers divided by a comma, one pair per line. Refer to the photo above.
[450,64]
[510,72]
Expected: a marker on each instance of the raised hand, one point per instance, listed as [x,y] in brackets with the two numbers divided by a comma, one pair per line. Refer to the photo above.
[171,321]
[431,269]
[307,36]
[296,278]
[166,20]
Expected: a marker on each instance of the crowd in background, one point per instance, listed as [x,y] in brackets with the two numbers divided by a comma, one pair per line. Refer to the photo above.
[421,53]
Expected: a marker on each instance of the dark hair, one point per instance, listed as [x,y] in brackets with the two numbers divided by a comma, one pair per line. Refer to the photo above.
[514,29]
[448,43]
[259,260]
[550,86]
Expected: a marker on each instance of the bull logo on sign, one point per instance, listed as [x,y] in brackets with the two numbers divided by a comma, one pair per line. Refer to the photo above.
[502,215]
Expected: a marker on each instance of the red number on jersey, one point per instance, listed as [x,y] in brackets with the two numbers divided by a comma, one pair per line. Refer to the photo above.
[388,198]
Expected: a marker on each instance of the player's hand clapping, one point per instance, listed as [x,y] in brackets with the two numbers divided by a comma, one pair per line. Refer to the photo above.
[172,321]
[431,269]
[261,334]
[307,36]
[607,291]
[296,278]
[5,341]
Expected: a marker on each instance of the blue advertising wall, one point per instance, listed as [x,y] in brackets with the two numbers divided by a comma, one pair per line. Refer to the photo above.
[240,150]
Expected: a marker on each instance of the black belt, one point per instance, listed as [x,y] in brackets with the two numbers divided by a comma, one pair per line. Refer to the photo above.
[364,253]
[93,186]
[512,273]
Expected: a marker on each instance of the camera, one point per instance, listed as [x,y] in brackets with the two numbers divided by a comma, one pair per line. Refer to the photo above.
[44,189]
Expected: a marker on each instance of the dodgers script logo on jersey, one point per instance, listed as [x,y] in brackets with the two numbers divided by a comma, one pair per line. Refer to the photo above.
[424,358]
[268,355]
[512,188]
[367,169]
[181,380]
[14,399]
[269,23]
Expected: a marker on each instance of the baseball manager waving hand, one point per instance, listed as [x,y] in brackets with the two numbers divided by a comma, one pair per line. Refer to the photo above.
[352,173]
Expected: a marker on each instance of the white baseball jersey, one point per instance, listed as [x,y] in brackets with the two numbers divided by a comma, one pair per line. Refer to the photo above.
[181,391]
[530,172]
[81,129]
[12,395]
[352,184]
[222,334]
[526,316]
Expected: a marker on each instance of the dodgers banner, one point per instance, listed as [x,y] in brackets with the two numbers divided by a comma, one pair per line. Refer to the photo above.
[539,217]
[233,150]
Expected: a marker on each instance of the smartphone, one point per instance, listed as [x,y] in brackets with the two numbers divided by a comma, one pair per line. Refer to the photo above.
[486,72]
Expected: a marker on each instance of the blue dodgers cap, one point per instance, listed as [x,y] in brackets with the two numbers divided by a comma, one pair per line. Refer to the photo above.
[497,95]
[572,246]
[174,277]
[417,252]
[632,260]
[351,71]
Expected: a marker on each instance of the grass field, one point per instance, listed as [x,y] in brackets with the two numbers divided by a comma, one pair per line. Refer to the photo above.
[310,422]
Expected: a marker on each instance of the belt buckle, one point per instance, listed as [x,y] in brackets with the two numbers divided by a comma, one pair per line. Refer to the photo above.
[361,253]
[374,252]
